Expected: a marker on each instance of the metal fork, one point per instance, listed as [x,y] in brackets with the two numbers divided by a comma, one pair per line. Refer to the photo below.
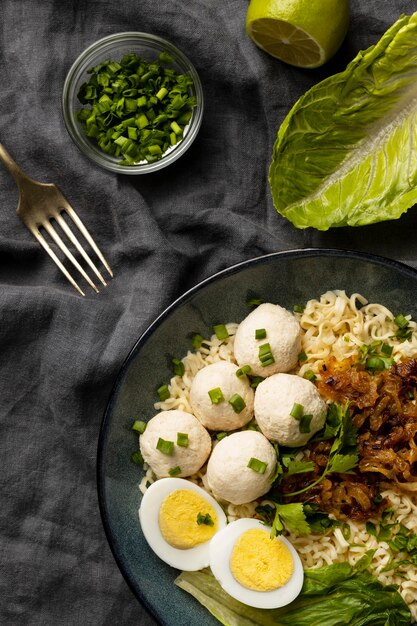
[39,203]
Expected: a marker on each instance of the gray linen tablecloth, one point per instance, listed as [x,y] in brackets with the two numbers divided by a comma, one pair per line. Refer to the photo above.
[161,233]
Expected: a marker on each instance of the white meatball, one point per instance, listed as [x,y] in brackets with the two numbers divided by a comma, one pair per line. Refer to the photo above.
[228,474]
[283,334]
[167,425]
[274,400]
[221,416]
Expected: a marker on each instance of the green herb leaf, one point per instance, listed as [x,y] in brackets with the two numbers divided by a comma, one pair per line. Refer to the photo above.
[292,517]
[299,467]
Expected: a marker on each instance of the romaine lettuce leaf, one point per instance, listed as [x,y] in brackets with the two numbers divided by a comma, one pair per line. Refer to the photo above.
[346,154]
[334,595]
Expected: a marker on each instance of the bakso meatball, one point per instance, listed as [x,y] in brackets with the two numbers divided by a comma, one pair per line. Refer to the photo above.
[269,340]
[285,405]
[175,439]
[241,467]
[219,399]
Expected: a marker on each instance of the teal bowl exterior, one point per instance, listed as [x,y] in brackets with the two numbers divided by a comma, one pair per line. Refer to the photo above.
[285,278]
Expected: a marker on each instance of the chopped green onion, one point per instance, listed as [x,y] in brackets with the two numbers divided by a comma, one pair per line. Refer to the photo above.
[139,426]
[255,381]
[304,424]
[136,457]
[176,128]
[298,308]
[375,363]
[182,440]
[257,466]
[387,349]
[163,393]
[297,411]
[302,356]
[124,99]
[401,321]
[237,402]
[174,471]
[179,368]
[166,447]
[196,341]
[254,302]
[265,355]
[216,395]
[260,333]
[310,375]
[205,518]
[242,371]
[220,436]
[220,331]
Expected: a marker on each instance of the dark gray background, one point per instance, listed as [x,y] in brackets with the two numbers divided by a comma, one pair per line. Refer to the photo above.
[162,233]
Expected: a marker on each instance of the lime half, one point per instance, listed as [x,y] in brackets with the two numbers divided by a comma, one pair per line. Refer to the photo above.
[304,33]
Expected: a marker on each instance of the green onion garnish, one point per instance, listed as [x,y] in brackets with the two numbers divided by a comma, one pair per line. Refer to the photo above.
[260,333]
[139,426]
[216,395]
[131,107]
[310,375]
[237,402]
[182,440]
[205,518]
[254,302]
[297,411]
[163,393]
[304,425]
[255,381]
[302,356]
[265,355]
[257,466]
[174,471]
[179,368]
[387,349]
[166,447]
[196,341]
[375,364]
[242,371]
[220,436]
[401,321]
[136,457]
[298,308]
[220,331]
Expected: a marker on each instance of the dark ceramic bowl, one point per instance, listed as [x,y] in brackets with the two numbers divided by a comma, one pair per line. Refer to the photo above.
[286,278]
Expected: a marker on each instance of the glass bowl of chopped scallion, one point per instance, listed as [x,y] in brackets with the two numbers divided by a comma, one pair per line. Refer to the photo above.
[132,102]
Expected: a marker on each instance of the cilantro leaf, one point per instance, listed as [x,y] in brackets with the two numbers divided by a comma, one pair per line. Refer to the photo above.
[341,463]
[293,518]
[299,467]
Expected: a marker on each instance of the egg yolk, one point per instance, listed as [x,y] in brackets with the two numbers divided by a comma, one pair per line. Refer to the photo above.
[185,519]
[259,562]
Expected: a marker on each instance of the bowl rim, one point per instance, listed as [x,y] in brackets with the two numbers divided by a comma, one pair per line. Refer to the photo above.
[90,151]
[100,469]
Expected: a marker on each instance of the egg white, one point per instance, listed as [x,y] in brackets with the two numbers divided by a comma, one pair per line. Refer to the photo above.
[221,547]
[191,559]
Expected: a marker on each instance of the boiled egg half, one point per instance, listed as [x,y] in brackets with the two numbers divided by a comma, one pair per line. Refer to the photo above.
[253,568]
[179,520]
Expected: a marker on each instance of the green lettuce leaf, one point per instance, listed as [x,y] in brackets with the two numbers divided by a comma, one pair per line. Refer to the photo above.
[346,152]
[334,595]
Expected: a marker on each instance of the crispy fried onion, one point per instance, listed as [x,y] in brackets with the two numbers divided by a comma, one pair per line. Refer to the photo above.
[384,410]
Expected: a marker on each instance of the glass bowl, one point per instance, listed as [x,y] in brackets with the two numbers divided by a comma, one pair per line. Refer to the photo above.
[112,48]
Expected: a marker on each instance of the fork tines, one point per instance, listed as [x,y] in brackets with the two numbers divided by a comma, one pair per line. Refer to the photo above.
[58,216]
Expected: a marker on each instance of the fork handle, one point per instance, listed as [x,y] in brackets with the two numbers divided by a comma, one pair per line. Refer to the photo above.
[17,173]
